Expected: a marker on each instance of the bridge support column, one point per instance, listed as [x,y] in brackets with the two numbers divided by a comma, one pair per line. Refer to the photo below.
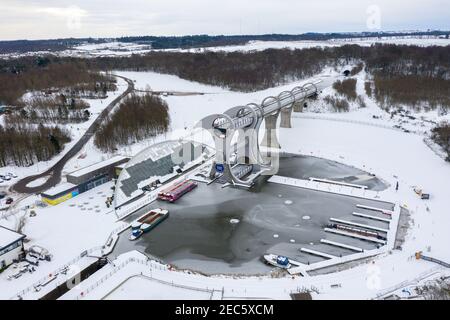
[270,139]
[286,118]
[298,106]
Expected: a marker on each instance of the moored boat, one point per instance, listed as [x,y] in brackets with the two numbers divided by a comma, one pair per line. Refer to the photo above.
[278,261]
[147,222]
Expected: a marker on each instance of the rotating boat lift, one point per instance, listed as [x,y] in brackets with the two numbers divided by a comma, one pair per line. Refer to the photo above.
[246,121]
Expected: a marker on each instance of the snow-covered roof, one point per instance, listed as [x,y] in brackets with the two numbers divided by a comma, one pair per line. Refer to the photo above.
[81,172]
[59,188]
[8,237]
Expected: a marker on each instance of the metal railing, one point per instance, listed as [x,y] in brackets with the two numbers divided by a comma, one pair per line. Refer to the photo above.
[55,273]
[153,265]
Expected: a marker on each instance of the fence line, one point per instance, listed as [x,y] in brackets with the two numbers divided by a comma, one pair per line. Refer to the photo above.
[405,283]
[367,123]
[149,263]
[55,273]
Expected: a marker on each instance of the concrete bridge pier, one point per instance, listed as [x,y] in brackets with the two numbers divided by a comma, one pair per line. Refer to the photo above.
[270,139]
[286,117]
[298,106]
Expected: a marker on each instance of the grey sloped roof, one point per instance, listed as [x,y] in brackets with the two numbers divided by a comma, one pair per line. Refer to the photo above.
[155,165]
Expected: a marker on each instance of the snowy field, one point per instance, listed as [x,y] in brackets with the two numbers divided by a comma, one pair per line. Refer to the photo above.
[121,49]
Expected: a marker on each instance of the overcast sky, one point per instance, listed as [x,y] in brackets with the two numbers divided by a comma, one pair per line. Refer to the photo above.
[45,19]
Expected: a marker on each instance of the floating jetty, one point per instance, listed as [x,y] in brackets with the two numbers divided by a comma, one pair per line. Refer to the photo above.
[354,235]
[341,245]
[339,183]
[361,225]
[368,216]
[384,211]
[317,253]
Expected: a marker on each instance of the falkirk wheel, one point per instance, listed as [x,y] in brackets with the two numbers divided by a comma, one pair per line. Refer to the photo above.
[245,122]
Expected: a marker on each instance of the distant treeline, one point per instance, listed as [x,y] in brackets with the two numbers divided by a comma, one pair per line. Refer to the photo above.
[193,41]
[43,73]
[24,145]
[138,117]
[51,45]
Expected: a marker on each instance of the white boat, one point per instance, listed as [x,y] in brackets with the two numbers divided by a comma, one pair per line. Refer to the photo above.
[278,261]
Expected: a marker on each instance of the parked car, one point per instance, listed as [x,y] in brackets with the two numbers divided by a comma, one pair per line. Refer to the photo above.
[6,178]
[2,194]
[9,200]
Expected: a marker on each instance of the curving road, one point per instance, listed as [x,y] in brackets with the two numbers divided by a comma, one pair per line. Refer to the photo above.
[55,171]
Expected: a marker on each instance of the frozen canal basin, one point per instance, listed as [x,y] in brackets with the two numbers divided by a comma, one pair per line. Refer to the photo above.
[227,230]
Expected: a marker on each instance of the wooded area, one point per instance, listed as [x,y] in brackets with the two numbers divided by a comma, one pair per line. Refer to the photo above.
[346,88]
[441,135]
[31,74]
[53,109]
[415,91]
[24,145]
[138,117]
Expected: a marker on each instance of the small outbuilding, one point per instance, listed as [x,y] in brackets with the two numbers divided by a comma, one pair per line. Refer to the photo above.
[11,247]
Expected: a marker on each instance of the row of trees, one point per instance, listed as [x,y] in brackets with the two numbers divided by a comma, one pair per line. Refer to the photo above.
[138,117]
[25,145]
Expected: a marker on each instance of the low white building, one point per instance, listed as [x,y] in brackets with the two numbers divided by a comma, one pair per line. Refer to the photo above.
[11,246]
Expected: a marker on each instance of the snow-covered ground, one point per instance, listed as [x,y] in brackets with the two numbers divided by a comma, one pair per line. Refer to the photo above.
[110,49]
[354,138]
[64,230]
[165,82]
[366,42]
